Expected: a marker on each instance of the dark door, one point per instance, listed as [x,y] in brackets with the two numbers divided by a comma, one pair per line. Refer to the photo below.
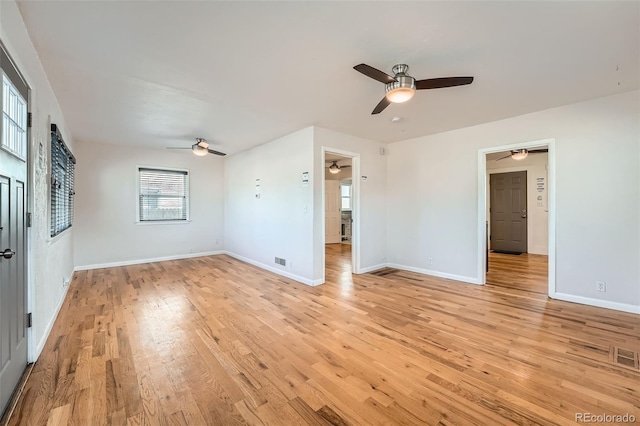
[508,210]
[13,242]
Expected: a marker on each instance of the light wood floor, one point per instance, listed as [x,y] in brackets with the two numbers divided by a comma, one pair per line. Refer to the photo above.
[214,341]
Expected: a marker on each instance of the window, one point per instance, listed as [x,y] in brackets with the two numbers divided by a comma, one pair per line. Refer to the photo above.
[14,120]
[163,195]
[345,191]
[63,165]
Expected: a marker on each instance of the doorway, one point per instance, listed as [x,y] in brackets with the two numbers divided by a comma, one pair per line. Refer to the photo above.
[340,221]
[516,235]
[13,228]
[508,212]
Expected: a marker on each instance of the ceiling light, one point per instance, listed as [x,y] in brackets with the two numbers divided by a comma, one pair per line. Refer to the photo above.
[400,94]
[199,150]
[401,90]
[334,168]
[519,154]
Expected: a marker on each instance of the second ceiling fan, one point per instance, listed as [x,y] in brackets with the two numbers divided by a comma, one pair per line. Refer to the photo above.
[401,87]
[200,148]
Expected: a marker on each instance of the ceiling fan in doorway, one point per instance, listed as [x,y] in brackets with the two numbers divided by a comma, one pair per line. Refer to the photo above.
[521,154]
[401,87]
[334,168]
[200,148]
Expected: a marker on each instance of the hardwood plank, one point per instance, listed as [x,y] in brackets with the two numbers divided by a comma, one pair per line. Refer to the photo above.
[212,340]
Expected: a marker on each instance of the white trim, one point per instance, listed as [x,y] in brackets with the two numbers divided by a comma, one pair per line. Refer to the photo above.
[33,357]
[276,271]
[482,205]
[368,269]
[624,307]
[469,280]
[150,260]
[355,207]
[163,222]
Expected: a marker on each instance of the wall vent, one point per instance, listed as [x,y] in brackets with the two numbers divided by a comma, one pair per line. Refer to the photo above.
[281,261]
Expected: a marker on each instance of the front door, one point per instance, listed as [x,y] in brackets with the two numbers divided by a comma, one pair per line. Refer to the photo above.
[13,242]
[332,212]
[508,211]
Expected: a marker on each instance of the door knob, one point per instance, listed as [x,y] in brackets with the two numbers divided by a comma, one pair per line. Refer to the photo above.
[8,253]
[524,213]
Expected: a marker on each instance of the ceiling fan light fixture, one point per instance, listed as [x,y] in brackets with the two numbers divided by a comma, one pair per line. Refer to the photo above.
[401,90]
[400,94]
[519,154]
[199,150]
[334,169]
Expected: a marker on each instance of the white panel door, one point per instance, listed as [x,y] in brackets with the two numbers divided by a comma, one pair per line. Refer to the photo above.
[332,212]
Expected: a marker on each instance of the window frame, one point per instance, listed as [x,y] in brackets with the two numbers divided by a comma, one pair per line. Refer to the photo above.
[68,183]
[15,90]
[187,173]
[349,197]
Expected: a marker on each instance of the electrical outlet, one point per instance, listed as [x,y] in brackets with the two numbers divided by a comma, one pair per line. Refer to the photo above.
[217,241]
[191,250]
[430,261]
[601,286]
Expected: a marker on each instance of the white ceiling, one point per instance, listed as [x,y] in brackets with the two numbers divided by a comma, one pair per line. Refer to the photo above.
[241,74]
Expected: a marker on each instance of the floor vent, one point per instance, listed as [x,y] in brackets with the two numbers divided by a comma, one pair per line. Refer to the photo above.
[397,274]
[625,357]
[384,272]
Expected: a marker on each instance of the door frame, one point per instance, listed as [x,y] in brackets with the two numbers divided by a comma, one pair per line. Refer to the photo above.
[482,205]
[355,208]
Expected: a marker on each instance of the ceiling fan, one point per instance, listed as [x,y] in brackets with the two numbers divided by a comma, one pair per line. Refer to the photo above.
[334,168]
[401,87]
[521,154]
[200,148]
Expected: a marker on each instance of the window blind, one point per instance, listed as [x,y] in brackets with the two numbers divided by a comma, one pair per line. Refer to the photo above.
[163,195]
[62,183]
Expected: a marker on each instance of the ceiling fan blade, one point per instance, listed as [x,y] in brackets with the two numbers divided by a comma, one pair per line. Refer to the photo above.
[381,106]
[502,158]
[374,73]
[537,151]
[175,147]
[211,151]
[345,167]
[438,83]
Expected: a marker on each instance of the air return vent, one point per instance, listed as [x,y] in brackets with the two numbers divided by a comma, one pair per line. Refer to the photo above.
[281,261]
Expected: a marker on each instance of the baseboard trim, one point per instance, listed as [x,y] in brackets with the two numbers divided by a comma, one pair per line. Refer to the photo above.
[150,260]
[624,307]
[438,274]
[276,271]
[43,340]
[372,268]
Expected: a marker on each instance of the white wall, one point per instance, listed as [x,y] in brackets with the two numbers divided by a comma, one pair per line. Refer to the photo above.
[51,261]
[106,197]
[280,222]
[373,214]
[432,196]
[537,210]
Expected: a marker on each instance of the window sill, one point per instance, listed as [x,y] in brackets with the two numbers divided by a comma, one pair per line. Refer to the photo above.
[53,240]
[163,222]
